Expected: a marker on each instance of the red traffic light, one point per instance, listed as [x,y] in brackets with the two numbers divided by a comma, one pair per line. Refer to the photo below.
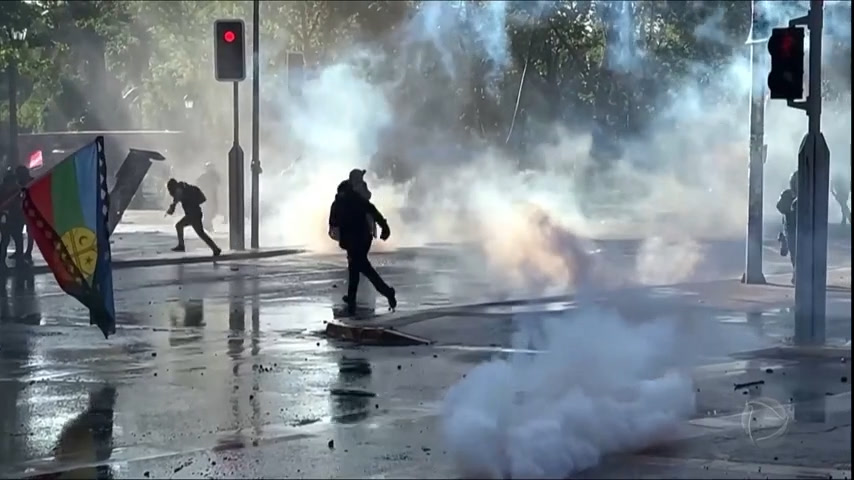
[229,36]
[787,42]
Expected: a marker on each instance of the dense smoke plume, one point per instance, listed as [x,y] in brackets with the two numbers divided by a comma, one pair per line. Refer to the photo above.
[440,179]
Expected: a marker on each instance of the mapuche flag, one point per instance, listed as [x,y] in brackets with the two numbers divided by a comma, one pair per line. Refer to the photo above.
[66,211]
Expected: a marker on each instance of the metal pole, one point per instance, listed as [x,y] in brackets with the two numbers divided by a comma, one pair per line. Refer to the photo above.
[755,176]
[813,180]
[236,234]
[256,162]
[14,156]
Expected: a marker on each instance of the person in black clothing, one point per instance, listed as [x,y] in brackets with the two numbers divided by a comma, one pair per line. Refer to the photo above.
[348,225]
[12,221]
[787,205]
[191,198]
[24,178]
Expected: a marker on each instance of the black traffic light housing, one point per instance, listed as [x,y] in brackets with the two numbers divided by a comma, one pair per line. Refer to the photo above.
[229,50]
[786,46]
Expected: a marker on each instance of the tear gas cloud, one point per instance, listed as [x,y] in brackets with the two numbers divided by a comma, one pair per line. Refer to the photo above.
[599,385]
[399,113]
[554,413]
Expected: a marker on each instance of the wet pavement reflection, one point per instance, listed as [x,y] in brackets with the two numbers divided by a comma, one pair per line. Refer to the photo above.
[222,372]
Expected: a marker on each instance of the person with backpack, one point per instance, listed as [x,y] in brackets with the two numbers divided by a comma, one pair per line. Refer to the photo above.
[191,199]
[349,226]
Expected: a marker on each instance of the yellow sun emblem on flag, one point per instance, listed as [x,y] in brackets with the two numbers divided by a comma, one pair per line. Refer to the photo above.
[82,246]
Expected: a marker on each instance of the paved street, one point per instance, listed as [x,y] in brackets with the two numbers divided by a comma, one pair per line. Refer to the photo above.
[223,370]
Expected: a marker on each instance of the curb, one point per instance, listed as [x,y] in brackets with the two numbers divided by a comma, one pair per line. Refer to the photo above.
[790,351]
[376,336]
[159,262]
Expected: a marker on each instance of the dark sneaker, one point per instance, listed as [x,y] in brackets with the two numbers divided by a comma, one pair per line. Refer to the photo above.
[179,248]
[392,300]
[351,309]
[217,252]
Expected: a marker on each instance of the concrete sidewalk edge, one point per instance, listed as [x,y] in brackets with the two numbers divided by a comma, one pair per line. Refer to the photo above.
[192,259]
[810,351]
[370,335]
[388,324]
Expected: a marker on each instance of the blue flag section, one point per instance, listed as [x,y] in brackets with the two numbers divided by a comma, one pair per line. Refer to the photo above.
[67,214]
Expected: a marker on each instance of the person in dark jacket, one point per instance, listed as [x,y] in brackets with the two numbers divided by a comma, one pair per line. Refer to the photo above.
[12,219]
[787,205]
[191,199]
[347,224]
[24,178]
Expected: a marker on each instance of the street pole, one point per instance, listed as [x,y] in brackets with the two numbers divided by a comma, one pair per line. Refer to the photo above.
[256,162]
[14,156]
[236,235]
[813,180]
[755,176]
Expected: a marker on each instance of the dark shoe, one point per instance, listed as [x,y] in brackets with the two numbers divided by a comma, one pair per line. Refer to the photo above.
[217,252]
[351,309]
[392,300]
[179,248]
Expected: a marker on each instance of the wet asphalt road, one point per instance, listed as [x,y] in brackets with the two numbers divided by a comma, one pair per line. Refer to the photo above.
[221,371]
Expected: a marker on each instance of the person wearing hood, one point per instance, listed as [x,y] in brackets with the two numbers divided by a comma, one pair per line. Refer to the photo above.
[348,225]
[191,199]
[360,186]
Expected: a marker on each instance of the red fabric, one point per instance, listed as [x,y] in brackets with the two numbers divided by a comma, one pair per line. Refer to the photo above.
[42,197]
[53,251]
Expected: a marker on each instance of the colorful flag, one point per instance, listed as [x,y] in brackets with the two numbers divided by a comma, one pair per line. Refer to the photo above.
[67,212]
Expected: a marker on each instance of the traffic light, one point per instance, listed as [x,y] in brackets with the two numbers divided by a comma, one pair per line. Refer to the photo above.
[786,80]
[296,72]
[229,51]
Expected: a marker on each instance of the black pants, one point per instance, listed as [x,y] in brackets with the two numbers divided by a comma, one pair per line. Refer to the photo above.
[15,233]
[193,218]
[358,263]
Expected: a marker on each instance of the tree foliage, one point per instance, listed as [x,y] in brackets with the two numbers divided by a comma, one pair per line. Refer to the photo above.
[145,58]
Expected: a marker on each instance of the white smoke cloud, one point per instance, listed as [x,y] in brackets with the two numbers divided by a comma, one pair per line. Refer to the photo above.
[531,214]
[600,386]
[688,170]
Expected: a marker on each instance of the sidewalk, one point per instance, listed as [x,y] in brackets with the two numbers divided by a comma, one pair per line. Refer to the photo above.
[763,307]
[145,238]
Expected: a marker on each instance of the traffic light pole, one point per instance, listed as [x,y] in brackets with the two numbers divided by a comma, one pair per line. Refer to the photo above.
[756,168]
[236,235]
[813,180]
[256,162]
